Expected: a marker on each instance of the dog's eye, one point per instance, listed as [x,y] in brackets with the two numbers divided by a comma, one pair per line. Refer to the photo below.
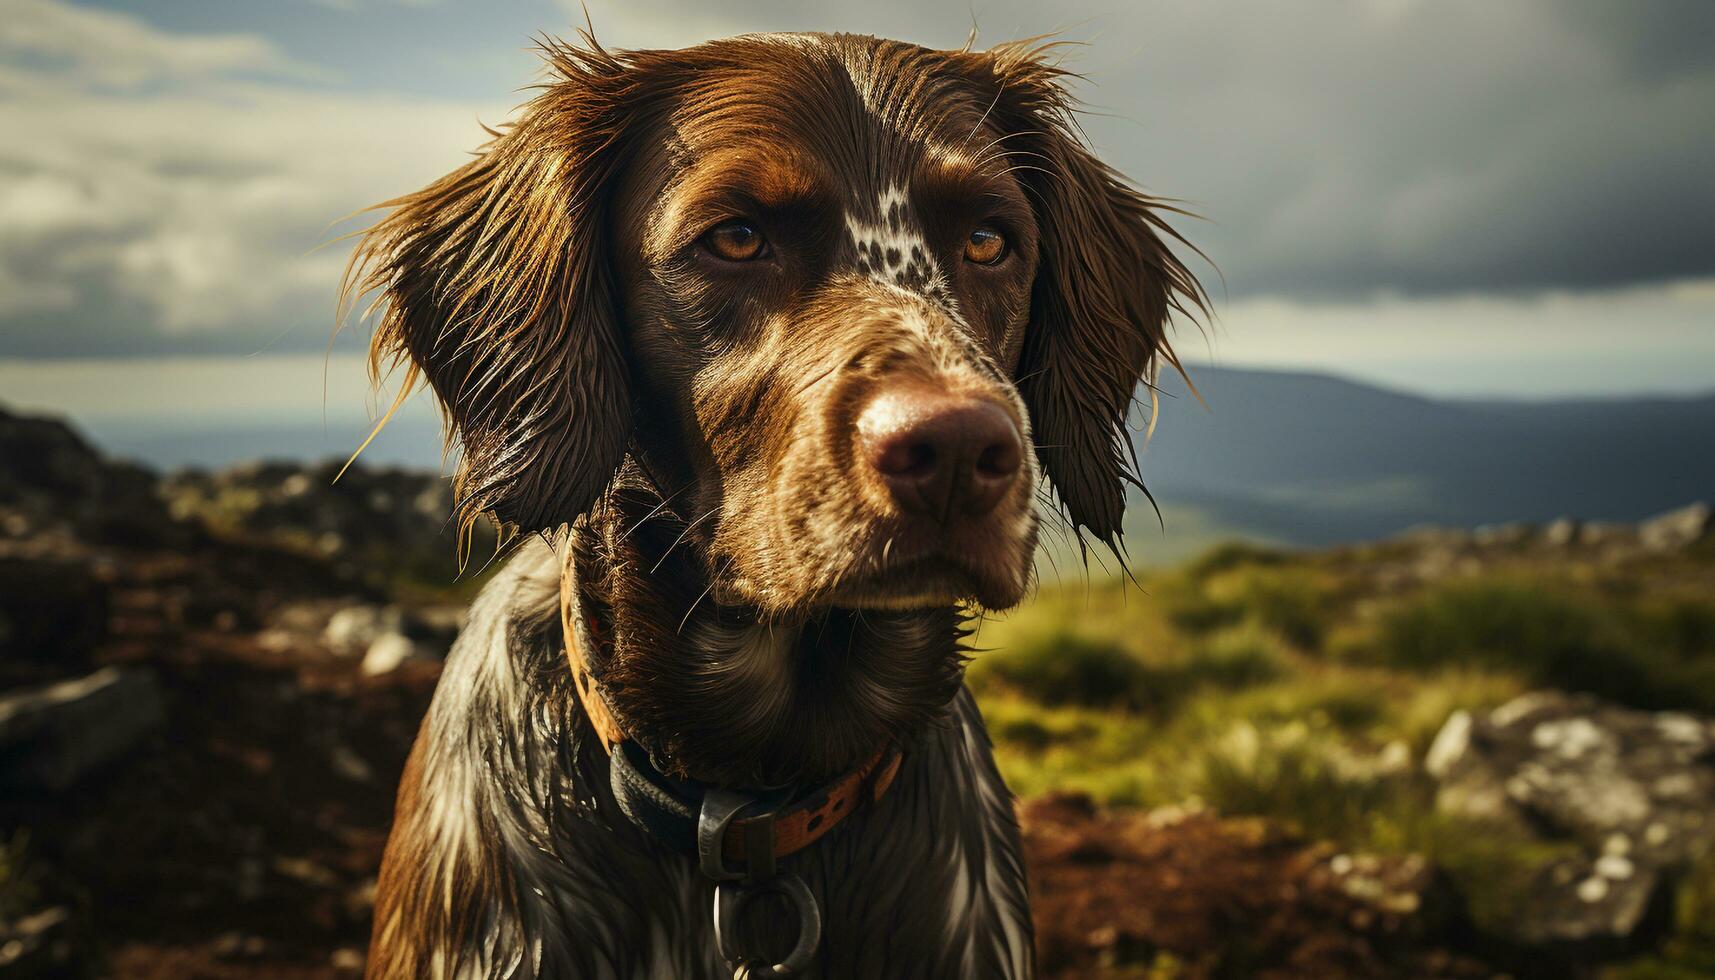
[735,241]
[986,246]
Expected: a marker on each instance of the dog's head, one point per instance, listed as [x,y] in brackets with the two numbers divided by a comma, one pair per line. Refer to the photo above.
[846,301]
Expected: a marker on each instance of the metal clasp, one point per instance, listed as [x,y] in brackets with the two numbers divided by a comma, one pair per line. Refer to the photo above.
[734,888]
[730,901]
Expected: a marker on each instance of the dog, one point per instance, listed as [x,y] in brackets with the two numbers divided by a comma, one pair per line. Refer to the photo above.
[769,348]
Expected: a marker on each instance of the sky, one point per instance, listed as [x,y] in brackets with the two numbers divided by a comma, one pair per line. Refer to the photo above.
[1456,197]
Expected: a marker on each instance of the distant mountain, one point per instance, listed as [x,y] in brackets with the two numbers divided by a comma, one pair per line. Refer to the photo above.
[1299,458]
[1314,459]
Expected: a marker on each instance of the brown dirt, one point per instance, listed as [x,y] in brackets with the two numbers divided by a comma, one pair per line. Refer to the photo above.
[1194,895]
[243,840]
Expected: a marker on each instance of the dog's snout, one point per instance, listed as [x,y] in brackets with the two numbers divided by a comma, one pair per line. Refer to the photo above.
[941,454]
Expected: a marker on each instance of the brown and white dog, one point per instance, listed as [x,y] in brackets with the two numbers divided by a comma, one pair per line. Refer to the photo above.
[774,342]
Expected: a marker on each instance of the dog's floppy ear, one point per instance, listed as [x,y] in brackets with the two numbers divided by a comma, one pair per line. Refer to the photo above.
[493,283]
[1105,286]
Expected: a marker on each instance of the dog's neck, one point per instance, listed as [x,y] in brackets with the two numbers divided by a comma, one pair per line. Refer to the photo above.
[717,694]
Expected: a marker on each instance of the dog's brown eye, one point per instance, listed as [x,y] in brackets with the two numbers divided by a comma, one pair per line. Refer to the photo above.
[735,241]
[985,247]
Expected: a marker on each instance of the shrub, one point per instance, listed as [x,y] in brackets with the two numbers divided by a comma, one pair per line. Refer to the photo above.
[1682,627]
[1236,657]
[1296,774]
[1065,668]
[1556,637]
[1023,732]
[1231,555]
[1290,600]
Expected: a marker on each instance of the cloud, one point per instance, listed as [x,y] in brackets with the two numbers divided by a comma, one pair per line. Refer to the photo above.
[1561,343]
[1344,148]
[174,186]
[96,48]
[188,218]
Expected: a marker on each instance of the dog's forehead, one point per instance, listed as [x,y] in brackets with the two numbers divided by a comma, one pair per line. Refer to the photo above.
[870,116]
[870,111]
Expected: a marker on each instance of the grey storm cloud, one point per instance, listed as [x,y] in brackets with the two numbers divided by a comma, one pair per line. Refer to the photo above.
[1336,150]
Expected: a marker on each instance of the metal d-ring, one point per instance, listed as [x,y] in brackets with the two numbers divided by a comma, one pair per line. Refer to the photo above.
[730,901]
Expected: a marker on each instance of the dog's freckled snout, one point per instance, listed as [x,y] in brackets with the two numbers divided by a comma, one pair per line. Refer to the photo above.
[941,454]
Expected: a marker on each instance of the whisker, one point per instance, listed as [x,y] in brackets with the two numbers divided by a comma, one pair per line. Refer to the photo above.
[664,555]
[705,594]
[654,510]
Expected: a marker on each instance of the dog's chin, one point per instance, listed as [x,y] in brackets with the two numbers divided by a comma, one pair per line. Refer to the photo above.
[933,581]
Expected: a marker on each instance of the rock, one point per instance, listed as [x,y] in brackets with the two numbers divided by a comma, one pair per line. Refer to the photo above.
[1595,534]
[1675,529]
[428,632]
[41,945]
[1501,535]
[390,651]
[437,624]
[355,628]
[1449,745]
[1561,533]
[50,611]
[52,736]
[1586,769]
[1594,909]
[51,478]
[238,945]
[384,522]
[1635,788]
[346,762]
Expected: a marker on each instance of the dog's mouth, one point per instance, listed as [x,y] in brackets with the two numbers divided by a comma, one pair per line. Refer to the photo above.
[990,570]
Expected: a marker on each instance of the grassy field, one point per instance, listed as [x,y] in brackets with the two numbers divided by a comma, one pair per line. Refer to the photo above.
[1305,687]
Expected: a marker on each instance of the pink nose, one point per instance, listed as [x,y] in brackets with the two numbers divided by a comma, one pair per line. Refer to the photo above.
[940,454]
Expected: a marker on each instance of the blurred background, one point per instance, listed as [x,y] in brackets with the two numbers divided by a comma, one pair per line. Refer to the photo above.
[1412,675]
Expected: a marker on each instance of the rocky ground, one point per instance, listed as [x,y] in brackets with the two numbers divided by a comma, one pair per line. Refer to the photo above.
[207,692]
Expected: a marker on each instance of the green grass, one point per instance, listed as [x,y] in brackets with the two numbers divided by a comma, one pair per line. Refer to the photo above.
[1306,689]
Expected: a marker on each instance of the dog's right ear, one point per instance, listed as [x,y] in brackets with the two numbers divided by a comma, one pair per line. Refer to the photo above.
[493,283]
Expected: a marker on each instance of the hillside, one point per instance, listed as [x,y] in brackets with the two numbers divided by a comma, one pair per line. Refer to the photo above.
[1315,459]
[1303,459]
[1260,763]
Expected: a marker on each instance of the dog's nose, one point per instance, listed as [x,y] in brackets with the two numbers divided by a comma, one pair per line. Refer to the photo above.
[940,453]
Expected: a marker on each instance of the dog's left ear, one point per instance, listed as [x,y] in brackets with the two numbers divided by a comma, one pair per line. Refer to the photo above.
[493,283]
[1106,284]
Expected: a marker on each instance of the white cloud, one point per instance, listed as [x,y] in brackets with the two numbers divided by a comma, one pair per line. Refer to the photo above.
[96,48]
[1646,338]
[172,188]
[136,219]
[1430,147]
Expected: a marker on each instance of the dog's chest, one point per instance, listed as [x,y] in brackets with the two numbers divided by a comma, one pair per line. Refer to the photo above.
[927,883]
